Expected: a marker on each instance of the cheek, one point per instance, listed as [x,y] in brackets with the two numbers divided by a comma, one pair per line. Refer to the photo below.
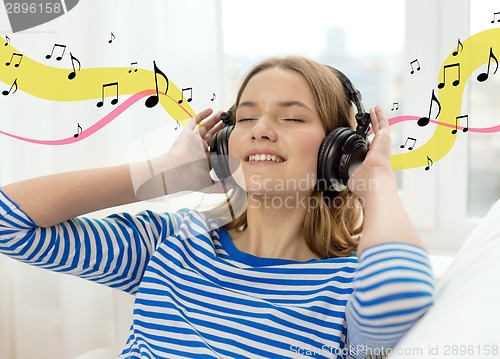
[232,142]
[310,149]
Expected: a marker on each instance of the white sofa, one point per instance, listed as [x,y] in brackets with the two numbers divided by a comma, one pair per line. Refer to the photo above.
[464,321]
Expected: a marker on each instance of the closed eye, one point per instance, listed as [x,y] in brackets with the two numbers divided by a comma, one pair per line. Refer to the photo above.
[293,120]
[246,119]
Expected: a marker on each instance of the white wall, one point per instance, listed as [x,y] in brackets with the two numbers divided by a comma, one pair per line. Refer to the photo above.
[45,315]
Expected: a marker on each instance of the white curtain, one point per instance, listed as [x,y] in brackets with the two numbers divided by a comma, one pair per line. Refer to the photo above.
[48,315]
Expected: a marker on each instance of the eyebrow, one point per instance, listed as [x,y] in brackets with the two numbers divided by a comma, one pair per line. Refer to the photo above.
[281,104]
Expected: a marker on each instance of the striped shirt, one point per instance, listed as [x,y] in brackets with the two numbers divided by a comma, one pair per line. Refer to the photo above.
[198,296]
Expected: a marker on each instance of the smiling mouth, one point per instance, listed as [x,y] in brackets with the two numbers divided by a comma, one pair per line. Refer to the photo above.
[265,157]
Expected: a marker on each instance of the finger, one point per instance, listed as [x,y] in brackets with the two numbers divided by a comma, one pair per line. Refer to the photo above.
[383,122]
[209,124]
[212,121]
[374,120]
[198,118]
[210,134]
[219,126]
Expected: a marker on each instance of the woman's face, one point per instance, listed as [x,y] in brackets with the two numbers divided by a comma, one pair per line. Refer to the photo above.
[277,133]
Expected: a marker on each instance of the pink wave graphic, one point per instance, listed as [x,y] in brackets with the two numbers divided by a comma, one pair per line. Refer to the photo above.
[398,119]
[99,124]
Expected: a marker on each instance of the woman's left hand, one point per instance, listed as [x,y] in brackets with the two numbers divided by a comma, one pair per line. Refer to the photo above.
[377,164]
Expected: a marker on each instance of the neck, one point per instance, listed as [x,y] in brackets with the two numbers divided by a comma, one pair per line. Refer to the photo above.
[275,227]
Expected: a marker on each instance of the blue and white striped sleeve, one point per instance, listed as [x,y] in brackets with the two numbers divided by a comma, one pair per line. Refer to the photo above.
[113,251]
[393,288]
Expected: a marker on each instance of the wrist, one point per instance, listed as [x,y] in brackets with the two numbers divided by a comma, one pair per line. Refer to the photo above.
[374,182]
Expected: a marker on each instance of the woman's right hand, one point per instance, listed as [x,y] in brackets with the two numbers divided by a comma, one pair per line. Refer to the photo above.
[186,166]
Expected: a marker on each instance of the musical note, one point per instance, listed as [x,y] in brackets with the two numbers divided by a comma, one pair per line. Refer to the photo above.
[132,67]
[112,38]
[395,106]
[153,100]
[429,163]
[484,75]
[58,58]
[177,125]
[213,97]
[461,46]
[190,89]
[72,74]
[494,16]
[409,147]
[424,121]
[466,128]
[418,66]
[113,101]
[14,85]
[78,131]
[7,40]
[456,82]
[20,56]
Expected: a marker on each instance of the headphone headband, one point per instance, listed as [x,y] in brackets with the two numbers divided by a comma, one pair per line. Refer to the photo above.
[353,94]
[340,153]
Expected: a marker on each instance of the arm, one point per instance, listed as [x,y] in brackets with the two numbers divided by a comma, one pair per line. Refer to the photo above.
[113,251]
[393,288]
[53,199]
[386,219]
[393,284]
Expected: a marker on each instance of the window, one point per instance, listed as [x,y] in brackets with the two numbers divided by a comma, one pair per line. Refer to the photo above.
[484,148]
[374,43]
[367,48]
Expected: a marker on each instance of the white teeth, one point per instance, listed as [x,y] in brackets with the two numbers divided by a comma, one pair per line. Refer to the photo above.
[265,157]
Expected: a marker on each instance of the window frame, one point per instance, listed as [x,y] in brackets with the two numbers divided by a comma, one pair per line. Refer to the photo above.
[436,199]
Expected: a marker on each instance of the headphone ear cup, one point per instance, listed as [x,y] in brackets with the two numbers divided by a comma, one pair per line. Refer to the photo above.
[340,153]
[329,158]
[354,152]
[219,152]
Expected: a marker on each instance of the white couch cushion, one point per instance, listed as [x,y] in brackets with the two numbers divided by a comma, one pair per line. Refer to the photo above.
[464,321]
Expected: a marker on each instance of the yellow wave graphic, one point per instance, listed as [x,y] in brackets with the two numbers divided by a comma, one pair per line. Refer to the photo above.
[54,84]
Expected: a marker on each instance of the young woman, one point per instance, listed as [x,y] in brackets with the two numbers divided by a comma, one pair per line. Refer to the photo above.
[297,274]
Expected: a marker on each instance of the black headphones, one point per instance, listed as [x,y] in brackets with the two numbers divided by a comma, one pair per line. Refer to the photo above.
[341,152]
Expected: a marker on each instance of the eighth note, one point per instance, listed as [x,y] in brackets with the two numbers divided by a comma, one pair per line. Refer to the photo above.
[395,106]
[113,101]
[429,163]
[132,67]
[78,131]
[456,82]
[411,65]
[466,128]
[190,89]
[112,38]
[461,46]
[20,56]
[58,58]
[213,96]
[7,40]
[484,75]
[72,74]
[153,100]
[494,16]
[424,121]
[14,85]
[409,147]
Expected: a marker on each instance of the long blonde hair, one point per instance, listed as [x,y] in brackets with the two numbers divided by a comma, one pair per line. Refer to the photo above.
[332,227]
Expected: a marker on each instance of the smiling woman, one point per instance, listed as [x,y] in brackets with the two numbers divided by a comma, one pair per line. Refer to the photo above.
[276,278]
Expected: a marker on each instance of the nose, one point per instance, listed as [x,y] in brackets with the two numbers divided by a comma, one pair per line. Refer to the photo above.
[264,130]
